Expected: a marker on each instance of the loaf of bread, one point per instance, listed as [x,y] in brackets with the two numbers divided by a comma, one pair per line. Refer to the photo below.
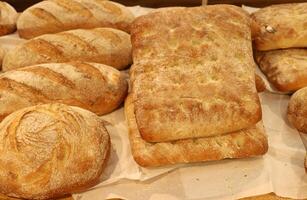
[286,69]
[280,26]
[95,87]
[260,86]
[297,110]
[101,45]
[245,143]
[8,17]
[183,87]
[51,150]
[52,16]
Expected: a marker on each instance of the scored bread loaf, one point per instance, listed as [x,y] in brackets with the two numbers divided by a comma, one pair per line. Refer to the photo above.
[280,26]
[52,16]
[51,150]
[95,87]
[8,17]
[297,110]
[101,45]
[286,69]
[183,87]
[241,144]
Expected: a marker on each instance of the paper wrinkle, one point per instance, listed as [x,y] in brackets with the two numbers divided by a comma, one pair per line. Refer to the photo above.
[280,170]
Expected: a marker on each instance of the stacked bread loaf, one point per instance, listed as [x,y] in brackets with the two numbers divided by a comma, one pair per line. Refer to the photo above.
[54,87]
[187,102]
[8,17]
[281,44]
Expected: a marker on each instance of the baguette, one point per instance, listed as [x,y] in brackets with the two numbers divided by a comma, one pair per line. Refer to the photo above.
[286,69]
[183,87]
[8,17]
[241,144]
[54,16]
[95,87]
[280,26]
[101,45]
[51,150]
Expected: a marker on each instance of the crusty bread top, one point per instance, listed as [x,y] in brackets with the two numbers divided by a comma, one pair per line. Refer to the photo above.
[51,150]
[53,16]
[8,14]
[101,45]
[297,110]
[286,69]
[280,26]
[193,73]
[96,87]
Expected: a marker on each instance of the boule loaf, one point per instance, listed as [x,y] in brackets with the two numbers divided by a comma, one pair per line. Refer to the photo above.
[101,45]
[280,26]
[8,17]
[52,16]
[183,87]
[51,150]
[95,87]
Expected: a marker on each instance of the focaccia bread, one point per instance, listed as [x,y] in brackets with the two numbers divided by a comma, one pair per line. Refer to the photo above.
[101,45]
[95,87]
[297,110]
[280,26]
[183,87]
[51,150]
[286,69]
[8,17]
[246,143]
[52,16]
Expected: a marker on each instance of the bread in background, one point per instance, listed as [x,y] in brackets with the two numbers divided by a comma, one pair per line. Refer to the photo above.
[100,45]
[51,150]
[54,16]
[8,17]
[95,87]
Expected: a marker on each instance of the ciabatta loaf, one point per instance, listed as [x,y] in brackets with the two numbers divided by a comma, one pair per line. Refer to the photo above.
[95,87]
[280,26]
[8,17]
[52,16]
[101,45]
[193,73]
[245,143]
[286,69]
[51,150]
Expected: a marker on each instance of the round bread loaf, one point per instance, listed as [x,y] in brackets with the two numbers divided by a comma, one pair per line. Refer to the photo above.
[8,17]
[297,110]
[51,150]
[92,86]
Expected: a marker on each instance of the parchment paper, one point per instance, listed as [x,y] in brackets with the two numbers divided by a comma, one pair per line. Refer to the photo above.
[280,170]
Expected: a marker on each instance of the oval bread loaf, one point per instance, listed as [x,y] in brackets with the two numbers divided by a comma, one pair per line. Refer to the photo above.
[101,45]
[8,17]
[54,16]
[51,150]
[297,110]
[95,87]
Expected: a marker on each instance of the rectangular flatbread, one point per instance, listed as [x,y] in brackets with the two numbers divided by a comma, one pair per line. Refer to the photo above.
[285,69]
[280,26]
[193,73]
[246,143]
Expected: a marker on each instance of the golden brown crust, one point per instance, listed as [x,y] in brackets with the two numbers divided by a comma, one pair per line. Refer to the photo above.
[280,26]
[54,16]
[95,87]
[183,87]
[242,144]
[101,45]
[259,84]
[297,110]
[285,69]
[7,18]
[51,150]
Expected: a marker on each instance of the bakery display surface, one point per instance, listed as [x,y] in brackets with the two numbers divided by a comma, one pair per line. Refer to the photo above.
[166,172]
